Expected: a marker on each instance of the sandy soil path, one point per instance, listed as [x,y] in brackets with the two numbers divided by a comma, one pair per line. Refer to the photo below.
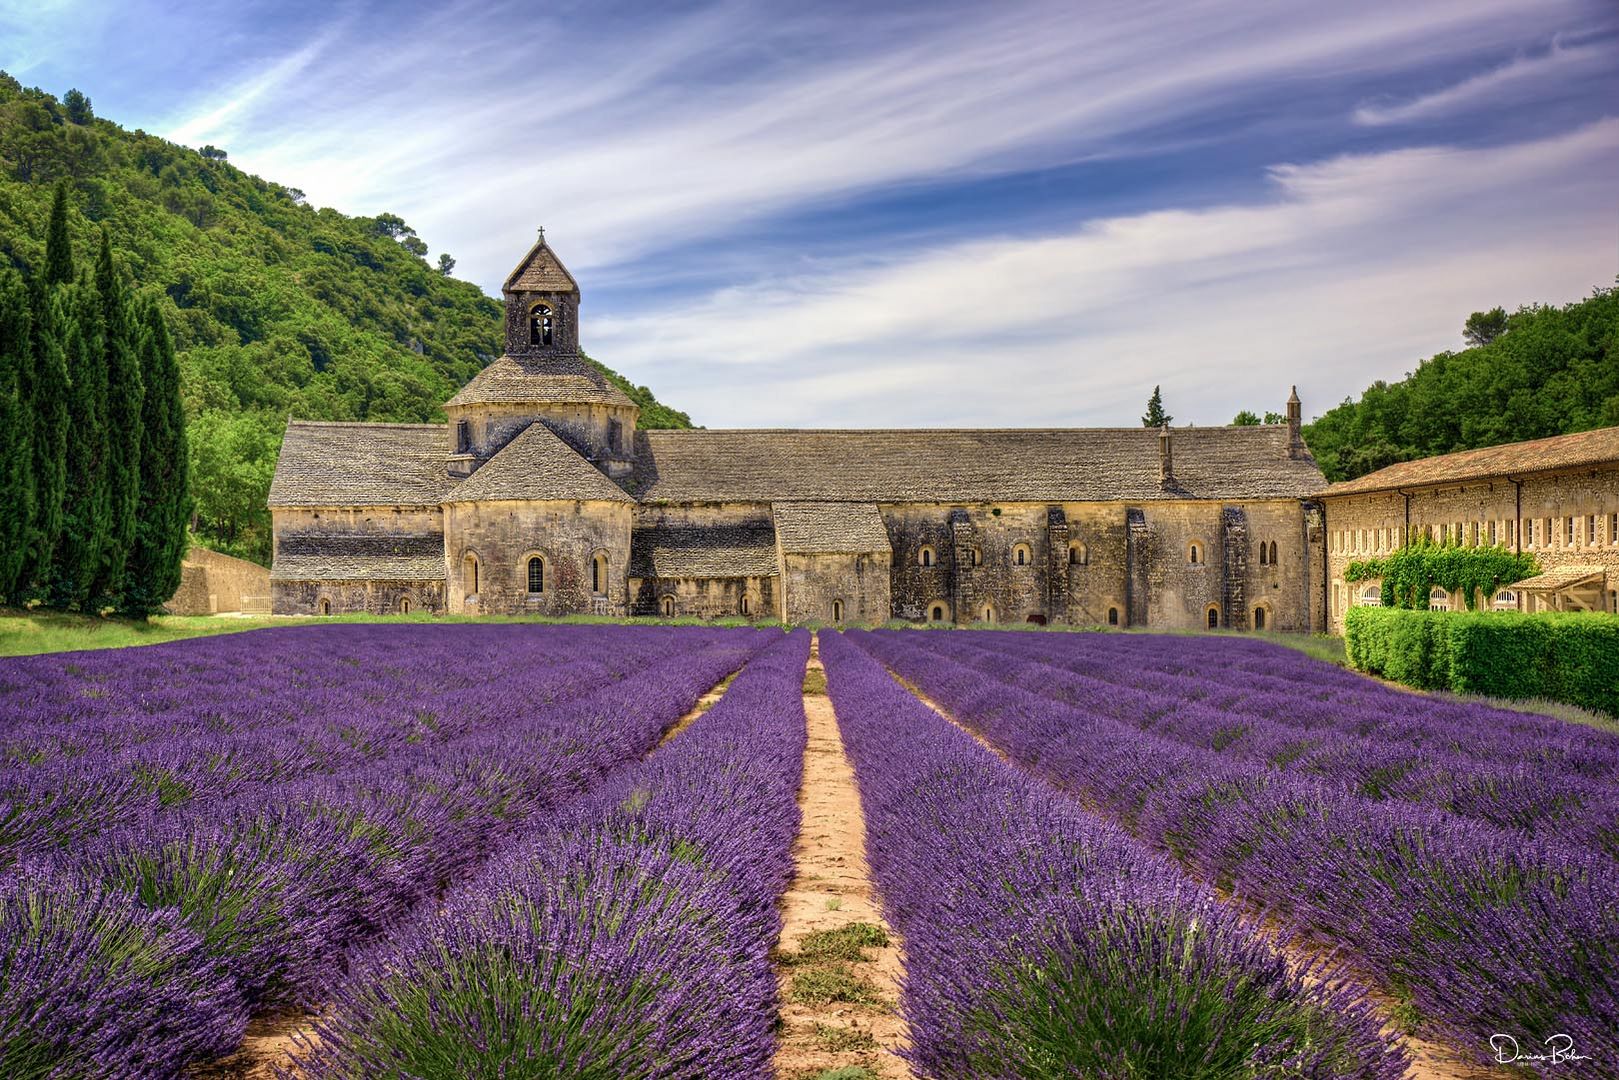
[1429,1060]
[830,900]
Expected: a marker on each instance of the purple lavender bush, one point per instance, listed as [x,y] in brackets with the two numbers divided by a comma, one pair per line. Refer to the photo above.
[1043,941]
[629,937]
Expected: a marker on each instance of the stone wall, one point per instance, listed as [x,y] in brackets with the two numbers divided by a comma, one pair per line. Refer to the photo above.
[211,582]
[1532,516]
[355,597]
[601,434]
[706,598]
[564,323]
[501,536]
[840,588]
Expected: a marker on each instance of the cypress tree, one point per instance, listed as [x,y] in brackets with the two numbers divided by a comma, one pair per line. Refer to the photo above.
[45,401]
[123,425]
[16,436]
[58,243]
[152,572]
[85,510]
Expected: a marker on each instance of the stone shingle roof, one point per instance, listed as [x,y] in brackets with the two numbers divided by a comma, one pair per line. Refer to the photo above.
[1587,448]
[827,528]
[537,465]
[536,380]
[335,567]
[335,464]
[944,465]
[1558,578]
[540,271]
[726,551]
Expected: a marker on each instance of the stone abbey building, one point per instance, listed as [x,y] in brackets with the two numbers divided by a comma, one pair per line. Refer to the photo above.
[541,496]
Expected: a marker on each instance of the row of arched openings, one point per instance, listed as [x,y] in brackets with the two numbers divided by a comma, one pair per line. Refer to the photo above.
[535,571]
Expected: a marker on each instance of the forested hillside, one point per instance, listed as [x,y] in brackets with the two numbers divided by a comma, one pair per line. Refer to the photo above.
[277,309]
[1541,371]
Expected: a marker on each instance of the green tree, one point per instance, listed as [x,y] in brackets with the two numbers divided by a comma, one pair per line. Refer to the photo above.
[1483,327]
[45,401]
[77,107]
[446,263]
[213,153]
[125,392]
[16,435]
[1246,418]
[86,502]
[58,241]
[152,570]
[1155,415]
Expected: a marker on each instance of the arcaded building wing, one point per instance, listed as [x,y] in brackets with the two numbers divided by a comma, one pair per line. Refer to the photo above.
[540,495]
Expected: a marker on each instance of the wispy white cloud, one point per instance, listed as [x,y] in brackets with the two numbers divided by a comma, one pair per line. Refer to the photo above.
[1352,270]
[229,109]
[1547,71]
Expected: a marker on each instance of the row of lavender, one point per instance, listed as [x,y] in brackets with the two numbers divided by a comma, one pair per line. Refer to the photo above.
[629,936]
[1042,940]
[1479,930]
[1531,773]
[140,934]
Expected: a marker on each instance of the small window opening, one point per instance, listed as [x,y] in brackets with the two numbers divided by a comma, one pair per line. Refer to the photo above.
[404,605]
[325,607]
[925,557]
[1214,618]
[1077,555]
[1371,596]
[837,611]
[1020,555]
[747,605]
[1259,618]
[463,437]
[1195,554]
[598,573]
[977,557]
[989,614]
[541,325]
[936,614]
[469,575]
[1273,553]
[668,607]
[1113,616]
[536,574]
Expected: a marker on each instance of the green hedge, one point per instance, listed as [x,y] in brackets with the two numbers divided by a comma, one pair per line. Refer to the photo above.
[1565,656]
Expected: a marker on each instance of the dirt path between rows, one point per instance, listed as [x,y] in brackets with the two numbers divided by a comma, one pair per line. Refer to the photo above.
[839,985]
[1429,1060]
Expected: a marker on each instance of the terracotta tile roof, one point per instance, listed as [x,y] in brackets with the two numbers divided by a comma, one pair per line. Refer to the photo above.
[337,567]
[822,528]
[1587,448]
[334,464]
[1558,578]
[944,465]
[539,380]
[725,551]
[540,271]
[537,465]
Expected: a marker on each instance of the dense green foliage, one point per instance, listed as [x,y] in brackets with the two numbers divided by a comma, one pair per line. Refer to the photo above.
[1410,573]
[74,349]
[276,309]
[1563,656]
[1538,372]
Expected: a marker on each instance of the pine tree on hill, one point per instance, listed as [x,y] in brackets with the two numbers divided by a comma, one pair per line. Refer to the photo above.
[16,435]
[125,392]
[152,570]
[45,402]
[1155,415]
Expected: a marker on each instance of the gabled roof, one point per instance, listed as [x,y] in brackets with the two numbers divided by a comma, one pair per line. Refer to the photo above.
[827,528]
[1587,448]
[539,380]
[336,464]
[538,465]
[1559,578]
[1004,465]
[698,551]
[540,271]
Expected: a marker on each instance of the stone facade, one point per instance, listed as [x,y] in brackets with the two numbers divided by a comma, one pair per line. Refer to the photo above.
[211,583]
[1566,517]
[541,460]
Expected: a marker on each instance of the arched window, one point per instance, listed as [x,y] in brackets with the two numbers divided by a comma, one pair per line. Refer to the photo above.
[598,573]
[1273,553]
[469,574]
[1259,617]
[1371,596]
[837,611]
[536,574]
[325,607]
[1505,600]
[1113,616]
[1022,555]
[540,325]
[977,557]
[1213,617]
[1194,553]
[668,607]
[936,613]
[747,604]
[1264,553]
[1077,555]
[925,556]
[1438,600]
[988,614]
[404,605]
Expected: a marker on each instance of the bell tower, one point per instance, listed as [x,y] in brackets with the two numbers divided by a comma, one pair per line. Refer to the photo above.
[542,305]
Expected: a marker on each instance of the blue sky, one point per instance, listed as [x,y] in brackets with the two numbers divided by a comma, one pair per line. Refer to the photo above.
[868,214]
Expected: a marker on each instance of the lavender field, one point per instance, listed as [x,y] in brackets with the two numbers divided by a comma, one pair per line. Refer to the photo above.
[497,851]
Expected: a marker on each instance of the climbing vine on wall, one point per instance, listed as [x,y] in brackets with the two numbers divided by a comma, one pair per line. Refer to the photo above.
[1410,574]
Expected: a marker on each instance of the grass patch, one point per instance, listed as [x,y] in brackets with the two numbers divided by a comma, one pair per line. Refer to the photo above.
[833,903]
[814,681]
[825,984]
[837,1040]
[845,943]
[847,1072]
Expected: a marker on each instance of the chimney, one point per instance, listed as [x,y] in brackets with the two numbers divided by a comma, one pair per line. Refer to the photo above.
[1295,424]
[1166,460]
